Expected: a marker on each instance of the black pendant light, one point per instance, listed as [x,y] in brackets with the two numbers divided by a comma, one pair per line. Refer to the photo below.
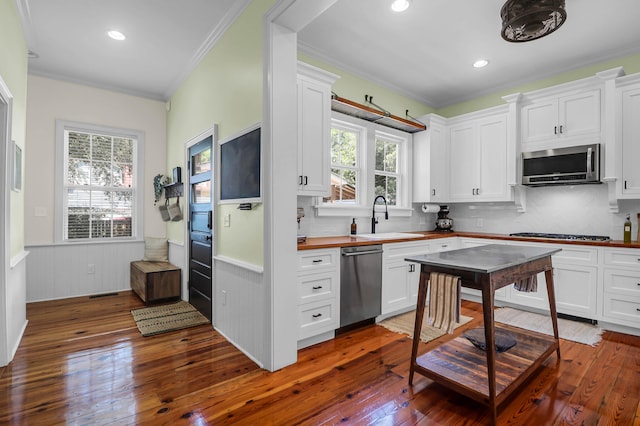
[526,20]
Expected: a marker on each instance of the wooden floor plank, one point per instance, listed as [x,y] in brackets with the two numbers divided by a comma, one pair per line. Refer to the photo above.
[83,361]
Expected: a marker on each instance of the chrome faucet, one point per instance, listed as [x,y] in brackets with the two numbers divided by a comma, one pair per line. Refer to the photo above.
[374,220]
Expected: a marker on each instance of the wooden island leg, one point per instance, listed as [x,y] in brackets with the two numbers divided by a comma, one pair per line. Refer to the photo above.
[548,275]
[490,334]
[420,305]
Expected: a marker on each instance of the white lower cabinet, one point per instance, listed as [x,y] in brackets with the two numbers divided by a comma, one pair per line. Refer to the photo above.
[621,301]
[574,276]
[400,279]
[318,295]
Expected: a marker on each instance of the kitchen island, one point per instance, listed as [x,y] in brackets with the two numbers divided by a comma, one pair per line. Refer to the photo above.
[486,376]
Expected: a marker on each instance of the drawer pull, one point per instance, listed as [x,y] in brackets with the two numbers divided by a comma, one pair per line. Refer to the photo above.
[320,260]
[317,287]
[316,315]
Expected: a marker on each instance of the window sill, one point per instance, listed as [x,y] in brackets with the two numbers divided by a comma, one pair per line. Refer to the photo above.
[359,211]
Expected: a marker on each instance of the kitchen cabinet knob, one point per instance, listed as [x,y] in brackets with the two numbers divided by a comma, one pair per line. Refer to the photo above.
[316,315]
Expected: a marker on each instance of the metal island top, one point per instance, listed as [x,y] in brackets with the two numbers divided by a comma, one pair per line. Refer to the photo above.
[485,259]
[486,376]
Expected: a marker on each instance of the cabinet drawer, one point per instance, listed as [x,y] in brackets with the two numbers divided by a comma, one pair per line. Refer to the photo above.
[621,307]
[622,257]
[576,255]
[319,286]
[622,282]
[309,260]
[317,318]
[401,250]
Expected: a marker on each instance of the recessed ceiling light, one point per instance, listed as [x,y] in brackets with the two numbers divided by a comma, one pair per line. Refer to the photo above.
[480,63]
[116,35]
[400,5]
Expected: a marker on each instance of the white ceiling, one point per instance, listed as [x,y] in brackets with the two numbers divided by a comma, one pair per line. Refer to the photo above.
[425,52]
[166,39]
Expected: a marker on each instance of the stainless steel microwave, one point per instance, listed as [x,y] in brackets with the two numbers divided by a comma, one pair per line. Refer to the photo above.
[562,166]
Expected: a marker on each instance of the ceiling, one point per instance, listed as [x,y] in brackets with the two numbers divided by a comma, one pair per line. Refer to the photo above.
[425,53]
[166,39]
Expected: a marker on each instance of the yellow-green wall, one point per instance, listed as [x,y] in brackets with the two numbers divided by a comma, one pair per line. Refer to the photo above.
[631,65]
[225,89]
[354,88]
[13,70]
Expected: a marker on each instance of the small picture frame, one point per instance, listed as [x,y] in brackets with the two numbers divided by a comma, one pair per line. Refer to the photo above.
[177,174]
[16,181]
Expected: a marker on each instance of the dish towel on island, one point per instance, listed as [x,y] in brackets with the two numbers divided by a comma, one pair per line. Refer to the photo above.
[529,285]
[444,301]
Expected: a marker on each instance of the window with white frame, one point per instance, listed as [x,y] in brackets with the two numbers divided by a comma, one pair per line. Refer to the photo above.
[98,190]
[345,176]
[387,174]
[367,160]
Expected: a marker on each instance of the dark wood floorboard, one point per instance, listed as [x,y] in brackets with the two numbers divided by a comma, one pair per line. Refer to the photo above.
[83,361]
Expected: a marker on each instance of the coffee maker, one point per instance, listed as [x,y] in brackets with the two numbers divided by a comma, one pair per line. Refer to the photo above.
[443,223]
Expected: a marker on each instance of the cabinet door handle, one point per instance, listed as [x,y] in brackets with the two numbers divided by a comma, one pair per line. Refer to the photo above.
[433,192]
[625,184]
[316,261]
[300,180]
[306,180]
[316,315]
[561,129]
[477,191]
[317,287]
[412,268]
[555,130]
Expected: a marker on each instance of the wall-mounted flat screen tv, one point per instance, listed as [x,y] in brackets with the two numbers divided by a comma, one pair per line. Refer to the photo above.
[241,167]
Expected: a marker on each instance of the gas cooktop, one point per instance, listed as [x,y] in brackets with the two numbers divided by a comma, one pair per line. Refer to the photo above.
[561,236]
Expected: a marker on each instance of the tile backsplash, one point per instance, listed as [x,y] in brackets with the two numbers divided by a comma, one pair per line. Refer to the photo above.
[573,209]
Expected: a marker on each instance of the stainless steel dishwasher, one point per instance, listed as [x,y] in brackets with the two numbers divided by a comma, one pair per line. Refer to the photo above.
[360,283]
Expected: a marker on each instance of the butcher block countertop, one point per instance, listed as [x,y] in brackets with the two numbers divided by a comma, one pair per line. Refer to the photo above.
[350,241]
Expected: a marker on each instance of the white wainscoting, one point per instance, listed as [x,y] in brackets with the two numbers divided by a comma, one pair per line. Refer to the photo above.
[15,309]
[63,270]
[240,313]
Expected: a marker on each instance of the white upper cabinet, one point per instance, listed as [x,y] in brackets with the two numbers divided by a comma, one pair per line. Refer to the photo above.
[479,160]
[430,159]
[561,119]
[314,129]
[629,101]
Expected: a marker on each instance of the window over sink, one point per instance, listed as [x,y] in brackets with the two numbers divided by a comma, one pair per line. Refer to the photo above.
[367,160]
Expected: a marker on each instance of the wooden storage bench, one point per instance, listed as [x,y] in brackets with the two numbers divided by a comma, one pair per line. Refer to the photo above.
[153,281]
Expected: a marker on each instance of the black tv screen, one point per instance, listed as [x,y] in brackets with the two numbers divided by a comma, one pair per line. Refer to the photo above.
[240,167]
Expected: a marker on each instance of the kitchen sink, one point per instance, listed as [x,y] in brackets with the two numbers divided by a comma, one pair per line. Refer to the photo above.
[389,236]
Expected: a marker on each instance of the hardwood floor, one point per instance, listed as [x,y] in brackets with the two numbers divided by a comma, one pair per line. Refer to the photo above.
[83,361]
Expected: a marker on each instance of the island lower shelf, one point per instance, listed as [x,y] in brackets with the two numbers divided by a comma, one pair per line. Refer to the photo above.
[459,365]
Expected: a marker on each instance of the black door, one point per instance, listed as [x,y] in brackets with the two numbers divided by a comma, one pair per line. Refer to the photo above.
[200,227]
